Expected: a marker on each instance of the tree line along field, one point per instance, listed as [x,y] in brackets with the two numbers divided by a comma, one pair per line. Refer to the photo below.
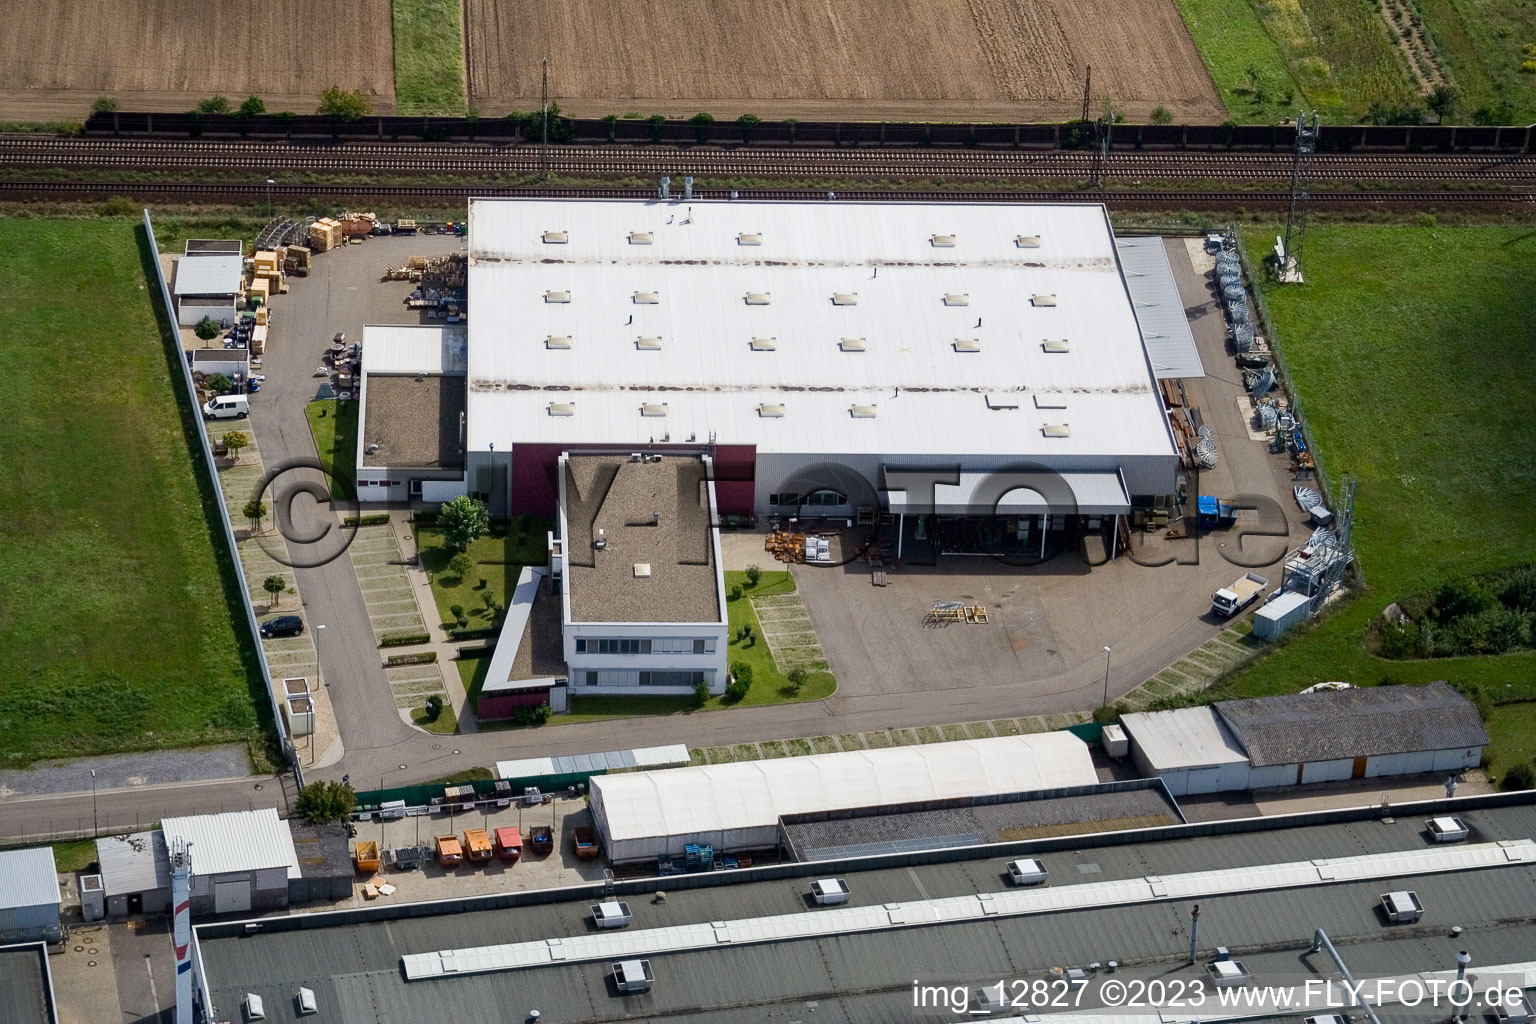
[1413,354]
[118,620]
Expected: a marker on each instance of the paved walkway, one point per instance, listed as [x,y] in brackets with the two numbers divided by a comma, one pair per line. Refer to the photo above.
[787,630]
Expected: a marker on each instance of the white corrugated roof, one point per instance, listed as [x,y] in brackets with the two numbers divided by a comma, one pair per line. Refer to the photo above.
[1183,738]
[134,863]
[715,297]
[1159,309]
[209,275]
[235,841]
[746,794]
[393,348]
[28,878]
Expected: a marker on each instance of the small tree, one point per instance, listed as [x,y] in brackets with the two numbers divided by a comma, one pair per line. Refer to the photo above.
[797,676]
[103,105]
[207,328]
[219,384]
[702,123]
[747,123]
[701,692]
[1442,100]
[252,106]
[213,105]
[1518,777]
[234,441]
[489,600]
[275,585]
[434,708]
[741,680]
[320,802]
[1161,115]
[461,565]
[346,104]
[657,123]
[463,520]
[754,573]
[255,511]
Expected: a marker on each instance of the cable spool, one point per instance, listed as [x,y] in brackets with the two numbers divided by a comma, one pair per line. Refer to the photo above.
[1230,281]
[1238,311]
[1227,259]
[1205,453]
[1268,417]
[1233,293]
[1242,335]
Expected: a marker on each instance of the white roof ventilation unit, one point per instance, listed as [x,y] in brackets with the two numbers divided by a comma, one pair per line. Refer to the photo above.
[771,410]
[642,570]
[562,408]
[759,298]
[764,344]
[653,409]
[1056,430]
[255,1009]
[306,1002]
[943,241]
[648,344]
[1043,300]
[851,345]
[556,237]
[558,341]
[641,238]
[1056,345]
[967,345]
[1050,400]
[862,412]
[647,298]
[554,296]
[845,298]
[957,299]
[749,238]
[1027,241]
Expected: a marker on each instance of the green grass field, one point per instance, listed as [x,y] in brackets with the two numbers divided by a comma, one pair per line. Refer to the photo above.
[118,614]
[1412,351]
[1480,43]
[498,560]
[429,57]
[334,426]
[1247,66]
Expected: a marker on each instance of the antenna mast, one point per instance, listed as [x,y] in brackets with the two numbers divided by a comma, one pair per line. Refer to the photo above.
[544,123]
[1296,216]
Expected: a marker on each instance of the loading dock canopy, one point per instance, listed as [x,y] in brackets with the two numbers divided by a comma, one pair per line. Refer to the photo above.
[1160,315]
[1008,493]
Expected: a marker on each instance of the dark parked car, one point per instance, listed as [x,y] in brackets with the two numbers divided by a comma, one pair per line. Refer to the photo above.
[283,625]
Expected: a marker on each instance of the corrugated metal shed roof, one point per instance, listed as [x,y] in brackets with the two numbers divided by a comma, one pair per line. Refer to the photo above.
[28,878]
[235,841]
[408,349]
[1360,722]
[136,863]
[209,275]
[747,794]
[1159,309]
[810,254]
[1183,738]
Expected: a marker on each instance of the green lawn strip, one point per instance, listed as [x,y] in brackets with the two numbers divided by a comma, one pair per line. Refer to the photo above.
[824,745]
[697,756]
[334,426]
[877,740]
[718,755]
[851,741]
[499,557]
[1480,42]
[1424,316]
[446,723]
[773,748]
[429,57]
[127,639]
[1006,727]
[1512,736]
[75,855]
[745,752]
[929,734]
[769,686]
[479,774]
[1240,56]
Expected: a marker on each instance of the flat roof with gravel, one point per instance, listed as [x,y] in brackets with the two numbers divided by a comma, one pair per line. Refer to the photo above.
[414,421]
[640,540]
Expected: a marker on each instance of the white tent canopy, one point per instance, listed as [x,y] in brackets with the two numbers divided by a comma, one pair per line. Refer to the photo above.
[738,805]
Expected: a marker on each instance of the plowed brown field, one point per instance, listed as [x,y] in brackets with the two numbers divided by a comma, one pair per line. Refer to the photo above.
[58,56]
[832,59]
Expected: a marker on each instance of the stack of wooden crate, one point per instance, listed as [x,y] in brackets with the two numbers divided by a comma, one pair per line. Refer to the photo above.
[325,234]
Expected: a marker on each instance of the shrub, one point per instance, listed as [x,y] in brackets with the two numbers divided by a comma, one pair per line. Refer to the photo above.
[372,519]
[1399,640]
[218,383]
[1518,777]
[1479,699]
[1457,599]
[1161,115]
[702,122]
[797,676]
[657,123]
[213,105]
[346,104]
[252,106]
[736,592]
[207,329]
[103,105]
[701,692]
[1519,590]
[738,690]
[747,124]
[741,672]
[1108,714]
[419,658]
[457,610]
[754,573]
[532,716]
[404,638]
[461,565]
[434,708]
[320,802]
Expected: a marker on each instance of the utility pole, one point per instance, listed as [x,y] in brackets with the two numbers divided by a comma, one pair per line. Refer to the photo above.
[544,123]
[95,822]
[1087,90]
[1194,933]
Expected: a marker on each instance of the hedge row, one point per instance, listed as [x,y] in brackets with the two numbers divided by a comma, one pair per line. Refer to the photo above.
[376,519]
[404,638]
[480,633]
[422,658]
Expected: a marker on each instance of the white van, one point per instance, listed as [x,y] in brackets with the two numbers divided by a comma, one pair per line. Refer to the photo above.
[227,407]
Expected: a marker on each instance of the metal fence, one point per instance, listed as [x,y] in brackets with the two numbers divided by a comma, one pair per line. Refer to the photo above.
[225,520]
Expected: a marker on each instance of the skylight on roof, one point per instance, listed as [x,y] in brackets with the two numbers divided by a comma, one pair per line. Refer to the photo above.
[1056,430]
[647,298]
[967,345]
[851,344]
[558,341]
[1043,300]
[943,241]
[845,298]
[1027,241]
[653,409]
[771,410]
[759,298]
[562,408]
[1056,345]
[561,296]
[764,344]
[641,238]
[957,299]
[862,412]
[749,238]
[556,237]
[648,344]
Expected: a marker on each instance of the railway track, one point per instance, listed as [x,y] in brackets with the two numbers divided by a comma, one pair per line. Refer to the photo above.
[224,192]
[755,162]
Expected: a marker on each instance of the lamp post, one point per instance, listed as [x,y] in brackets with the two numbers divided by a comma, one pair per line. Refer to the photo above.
[319,681]
[1106,675]
[95,823]
[270,183]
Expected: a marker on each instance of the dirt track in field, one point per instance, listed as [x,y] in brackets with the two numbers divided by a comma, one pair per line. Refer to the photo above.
[831,59]
[58,56]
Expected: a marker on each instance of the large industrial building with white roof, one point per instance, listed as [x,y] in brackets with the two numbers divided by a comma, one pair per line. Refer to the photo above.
[786,338]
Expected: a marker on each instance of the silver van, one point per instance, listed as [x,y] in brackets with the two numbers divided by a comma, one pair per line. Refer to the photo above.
[227,407]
